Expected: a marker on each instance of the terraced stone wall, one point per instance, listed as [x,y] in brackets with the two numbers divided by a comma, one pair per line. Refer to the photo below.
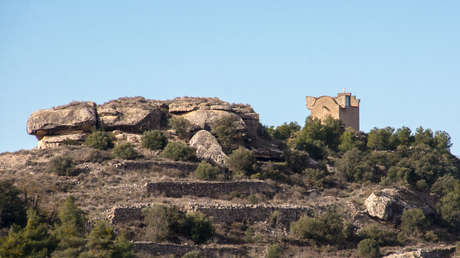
[179,250]
[221,214]
[209,189]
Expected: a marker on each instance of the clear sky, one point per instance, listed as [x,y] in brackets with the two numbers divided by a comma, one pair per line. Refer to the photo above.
[401,58]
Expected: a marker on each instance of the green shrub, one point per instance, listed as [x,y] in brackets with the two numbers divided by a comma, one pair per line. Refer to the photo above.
[352,139]
[181,125]
[383,237]
[154,140]
[328,228]
[368,248]
[318,177]
[99,140]
[227,132]
[355,166]
[285,131]
[125,151]
[168,223]
[103,242]
[178,151]
[317,136]
[206,171]
[12,208]
[297,160]
[62,166]
[381,139]
[274,251]
[413,222]
[242,162]
[192,254]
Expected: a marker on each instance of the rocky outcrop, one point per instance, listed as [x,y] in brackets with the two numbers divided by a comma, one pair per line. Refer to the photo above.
[203,111]
[52,141]
[389,204]
[433,252]
[133,114]
[76,117]
[149,249]
[208,148]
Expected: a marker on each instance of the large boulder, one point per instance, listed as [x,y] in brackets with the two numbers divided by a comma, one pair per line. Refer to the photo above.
[389,204]
[208,148]
[133,115]
[76,117]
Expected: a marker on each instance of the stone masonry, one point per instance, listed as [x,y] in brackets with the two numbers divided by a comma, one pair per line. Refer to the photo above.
[344,107]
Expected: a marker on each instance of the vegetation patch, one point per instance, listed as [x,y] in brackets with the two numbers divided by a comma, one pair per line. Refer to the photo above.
[154,140]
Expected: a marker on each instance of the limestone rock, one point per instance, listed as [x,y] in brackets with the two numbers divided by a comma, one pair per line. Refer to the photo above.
[127,137]
[204,119]
[76,117]
[389,204]
[207,147]
[132,114]
[51,141]
[187,104]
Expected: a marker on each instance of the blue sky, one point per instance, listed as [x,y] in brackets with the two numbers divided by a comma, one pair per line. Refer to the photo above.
[401,58]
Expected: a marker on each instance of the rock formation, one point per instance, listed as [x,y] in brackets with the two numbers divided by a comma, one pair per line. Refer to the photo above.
[389,204]
[208,148]
[130,116]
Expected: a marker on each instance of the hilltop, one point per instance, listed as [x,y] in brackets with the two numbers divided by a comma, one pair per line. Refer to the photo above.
[203,174]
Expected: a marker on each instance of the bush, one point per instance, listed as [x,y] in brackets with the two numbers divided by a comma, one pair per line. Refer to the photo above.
[242,162]
[12,208]
[381,139]
[99,140]
[354,166]
[368,248]
[103,242]
[206,171]
[181,125]
[382,236]
[328,228]
[167,223]
[318,177]
[297,160]
[192,254]
[285,131]
[154,140]
[413,222]
[62,166]
[274,251]
[178,151]
[227,132]
[125,151]
[317,135]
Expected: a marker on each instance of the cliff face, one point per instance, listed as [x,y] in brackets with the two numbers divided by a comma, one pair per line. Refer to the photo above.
[133,115]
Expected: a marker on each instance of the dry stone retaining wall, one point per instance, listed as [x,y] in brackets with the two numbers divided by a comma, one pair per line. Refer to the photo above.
[221,214]
[156,249]
[208,189]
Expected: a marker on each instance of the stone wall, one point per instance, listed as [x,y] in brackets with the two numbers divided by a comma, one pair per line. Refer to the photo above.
[208,189]
[148,249]
[158,165]
[221,213]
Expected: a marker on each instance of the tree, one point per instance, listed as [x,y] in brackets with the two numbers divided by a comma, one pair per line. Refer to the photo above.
[403,136]
[285,131]
[12,208]
[70,231]
[227,131]
[368,248]
[242,162]
[181,125]
[423,136]
[102,242]
[178,151]
[350,140]
[413,222]
[381,139]
[33,240]
[442,141]
[355,166]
